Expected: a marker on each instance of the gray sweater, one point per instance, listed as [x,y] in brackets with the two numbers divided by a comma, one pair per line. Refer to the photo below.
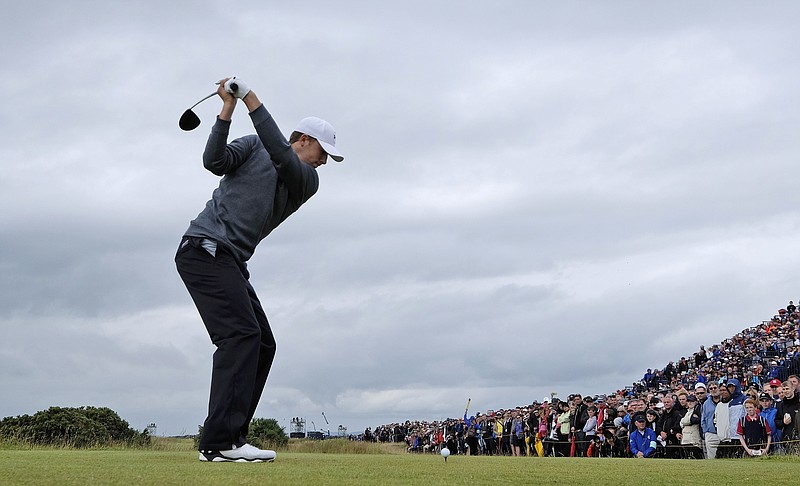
[263,183]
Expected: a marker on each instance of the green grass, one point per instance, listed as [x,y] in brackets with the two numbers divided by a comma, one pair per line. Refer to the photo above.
[171,463]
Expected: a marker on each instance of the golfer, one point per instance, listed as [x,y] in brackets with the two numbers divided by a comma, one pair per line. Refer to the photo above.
[265,178]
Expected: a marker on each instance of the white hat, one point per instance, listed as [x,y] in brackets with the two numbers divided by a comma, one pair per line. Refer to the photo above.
[323,132]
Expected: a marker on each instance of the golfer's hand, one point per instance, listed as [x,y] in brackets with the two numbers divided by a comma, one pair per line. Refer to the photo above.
[241,89]
[226,97]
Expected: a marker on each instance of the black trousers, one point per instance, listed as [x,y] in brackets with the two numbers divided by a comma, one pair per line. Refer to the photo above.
[238,327]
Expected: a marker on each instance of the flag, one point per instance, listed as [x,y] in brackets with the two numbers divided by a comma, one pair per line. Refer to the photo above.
[539,447]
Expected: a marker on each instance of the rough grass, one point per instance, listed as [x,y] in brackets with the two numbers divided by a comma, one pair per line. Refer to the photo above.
[172,462]
[343,446]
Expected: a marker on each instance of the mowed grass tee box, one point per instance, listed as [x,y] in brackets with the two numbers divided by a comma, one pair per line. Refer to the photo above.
[165,467]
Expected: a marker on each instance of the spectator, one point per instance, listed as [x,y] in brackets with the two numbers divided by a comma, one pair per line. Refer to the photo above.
[601,405]
[590,429]
[508,432]
[670,427]
[487,431]
[787,417]
[669,371]
[690,429]
[578,422]
[773,390]
[769,412]
[564,428]
[532,429]
[795,381]
[721,419]
[753,430]
[707,423]
[498,432]
[643,439]
[735,412]
[471,425]
[699,358]
[518,433]
[609,433]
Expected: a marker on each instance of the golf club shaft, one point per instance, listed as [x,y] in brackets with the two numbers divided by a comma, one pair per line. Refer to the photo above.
[207,97]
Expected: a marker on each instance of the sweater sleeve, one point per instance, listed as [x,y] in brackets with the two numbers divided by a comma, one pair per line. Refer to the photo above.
[300,178]
[221,158]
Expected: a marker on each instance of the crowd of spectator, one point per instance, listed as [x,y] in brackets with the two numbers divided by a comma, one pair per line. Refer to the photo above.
[740,397]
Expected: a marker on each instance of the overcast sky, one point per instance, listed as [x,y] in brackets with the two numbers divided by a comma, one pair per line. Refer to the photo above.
[537,197]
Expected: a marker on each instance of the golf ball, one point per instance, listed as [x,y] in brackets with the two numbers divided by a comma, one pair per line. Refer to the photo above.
[445,452]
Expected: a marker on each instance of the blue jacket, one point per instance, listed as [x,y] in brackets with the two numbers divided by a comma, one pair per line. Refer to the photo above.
[643,442]
[735,408]
[707,425]
[769,415]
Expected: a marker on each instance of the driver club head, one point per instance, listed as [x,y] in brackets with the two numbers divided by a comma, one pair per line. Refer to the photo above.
[189,121]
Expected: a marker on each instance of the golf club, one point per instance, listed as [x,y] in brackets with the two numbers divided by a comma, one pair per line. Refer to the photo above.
[189,120]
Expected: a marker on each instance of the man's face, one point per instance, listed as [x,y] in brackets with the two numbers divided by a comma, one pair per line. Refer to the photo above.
[793,380]
[724,394]
[700,392]
[682,400]
[765,403]
[788,390]
[668,403]
[309,151]
[641,424]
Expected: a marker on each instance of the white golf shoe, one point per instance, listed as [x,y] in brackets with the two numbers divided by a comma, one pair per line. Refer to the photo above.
[245,453]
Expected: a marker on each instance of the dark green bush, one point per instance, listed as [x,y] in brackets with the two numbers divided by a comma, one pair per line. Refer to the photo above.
[263,433]
[266,433]
[72,427]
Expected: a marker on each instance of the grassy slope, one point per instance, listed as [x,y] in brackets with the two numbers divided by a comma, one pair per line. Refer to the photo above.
[162,467]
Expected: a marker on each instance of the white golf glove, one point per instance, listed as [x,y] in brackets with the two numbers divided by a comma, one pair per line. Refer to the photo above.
[241,89]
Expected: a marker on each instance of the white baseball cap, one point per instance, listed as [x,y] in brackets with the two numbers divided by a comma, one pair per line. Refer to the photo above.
[323,132]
